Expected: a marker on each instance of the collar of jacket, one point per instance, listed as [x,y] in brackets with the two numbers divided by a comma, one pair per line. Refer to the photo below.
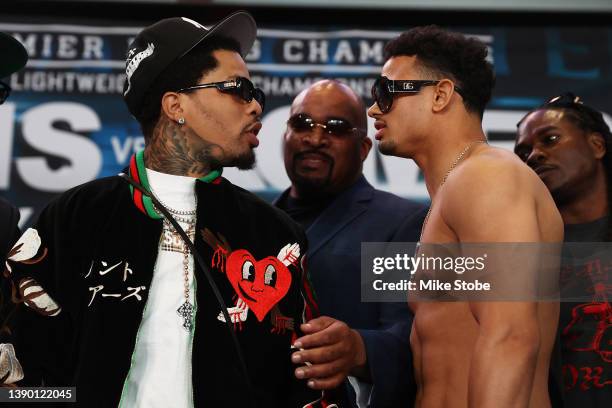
[138,172]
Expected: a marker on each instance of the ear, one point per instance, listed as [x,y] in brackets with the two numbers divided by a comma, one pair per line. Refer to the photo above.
[597,144]
[364,147]
[443,92]
[171,106]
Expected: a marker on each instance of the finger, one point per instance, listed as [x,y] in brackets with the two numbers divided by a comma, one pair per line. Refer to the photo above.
[321,371]
[317,324]
[326,383]
[334,333]
[320,355]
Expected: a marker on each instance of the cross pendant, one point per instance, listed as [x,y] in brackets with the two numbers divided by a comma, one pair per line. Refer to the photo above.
[186,312]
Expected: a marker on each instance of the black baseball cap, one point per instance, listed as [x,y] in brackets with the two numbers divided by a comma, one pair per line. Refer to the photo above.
[14,55]
[164,42]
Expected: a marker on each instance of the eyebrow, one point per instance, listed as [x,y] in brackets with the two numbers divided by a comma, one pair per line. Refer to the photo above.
[545,128]
[538,131]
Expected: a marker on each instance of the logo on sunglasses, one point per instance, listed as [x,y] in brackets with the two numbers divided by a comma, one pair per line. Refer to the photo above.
[408,86]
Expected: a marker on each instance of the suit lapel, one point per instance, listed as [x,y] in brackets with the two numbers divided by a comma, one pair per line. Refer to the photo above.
[341,211]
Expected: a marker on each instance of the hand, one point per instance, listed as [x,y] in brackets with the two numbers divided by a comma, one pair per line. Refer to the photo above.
[330,349]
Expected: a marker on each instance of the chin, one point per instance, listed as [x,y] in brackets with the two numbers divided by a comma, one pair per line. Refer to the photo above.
[245,161]
[314,185]
[388,148]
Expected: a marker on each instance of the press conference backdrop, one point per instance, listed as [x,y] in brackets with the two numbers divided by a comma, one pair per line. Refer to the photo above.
[66,123]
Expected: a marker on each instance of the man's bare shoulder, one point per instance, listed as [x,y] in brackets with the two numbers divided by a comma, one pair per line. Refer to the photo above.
[496,188]
[491,171]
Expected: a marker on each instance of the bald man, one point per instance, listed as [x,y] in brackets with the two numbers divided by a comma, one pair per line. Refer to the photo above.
[325,145]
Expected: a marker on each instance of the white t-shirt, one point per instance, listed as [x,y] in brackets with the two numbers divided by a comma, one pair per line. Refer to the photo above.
[160,372]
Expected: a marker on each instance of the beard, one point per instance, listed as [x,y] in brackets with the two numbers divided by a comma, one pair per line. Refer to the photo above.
[313,186]
[387,147]
[245,161]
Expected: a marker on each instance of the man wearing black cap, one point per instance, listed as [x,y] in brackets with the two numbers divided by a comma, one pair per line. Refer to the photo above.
[14,57]
[131,282]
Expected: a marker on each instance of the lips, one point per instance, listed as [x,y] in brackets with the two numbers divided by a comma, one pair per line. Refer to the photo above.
[379,125]
[312,161]
[252,131]
[542,169]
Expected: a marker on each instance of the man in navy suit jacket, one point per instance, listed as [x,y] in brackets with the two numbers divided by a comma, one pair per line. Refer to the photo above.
[325,145]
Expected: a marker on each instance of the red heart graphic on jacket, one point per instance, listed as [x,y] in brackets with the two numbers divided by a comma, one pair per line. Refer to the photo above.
[261,284]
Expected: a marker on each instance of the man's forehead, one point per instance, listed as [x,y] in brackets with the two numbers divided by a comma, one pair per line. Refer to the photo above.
[333,101]
[542,119]
[538,122]
[229,65]
[401,67]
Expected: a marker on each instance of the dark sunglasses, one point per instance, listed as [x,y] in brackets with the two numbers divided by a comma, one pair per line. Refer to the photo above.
[385,89]
[5,91]
[334,126]
[564,99]
[240,87]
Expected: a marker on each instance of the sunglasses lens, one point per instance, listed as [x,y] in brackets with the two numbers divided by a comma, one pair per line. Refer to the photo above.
[338,127]
[300,122]
[260,97]
[242,89]
[247,91]
[381,94]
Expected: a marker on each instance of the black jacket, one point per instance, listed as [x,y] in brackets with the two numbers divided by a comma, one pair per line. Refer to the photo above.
[76,337]
[9,232]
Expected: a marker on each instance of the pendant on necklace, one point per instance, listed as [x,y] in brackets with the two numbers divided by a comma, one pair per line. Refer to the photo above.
[186,312]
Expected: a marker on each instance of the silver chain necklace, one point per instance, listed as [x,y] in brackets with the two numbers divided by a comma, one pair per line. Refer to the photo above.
[173,211]
[451,168]
[186,310]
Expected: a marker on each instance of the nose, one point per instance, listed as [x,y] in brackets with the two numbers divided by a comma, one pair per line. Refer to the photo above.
[374,111]
[536,156]
[255,108]
[316,136]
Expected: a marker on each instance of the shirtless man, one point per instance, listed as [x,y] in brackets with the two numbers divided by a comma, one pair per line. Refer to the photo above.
[428,107]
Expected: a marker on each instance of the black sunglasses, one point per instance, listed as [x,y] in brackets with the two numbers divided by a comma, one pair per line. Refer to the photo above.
[301,122]
[240,86]
[5,91]
[385,89]
[564,99]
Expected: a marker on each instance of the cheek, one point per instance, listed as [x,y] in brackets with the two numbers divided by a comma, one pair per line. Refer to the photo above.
[346,159]
[291,145]
[573,162]
[400,123]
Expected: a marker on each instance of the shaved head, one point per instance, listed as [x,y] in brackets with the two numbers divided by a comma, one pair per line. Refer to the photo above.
[343,93]
[318,159]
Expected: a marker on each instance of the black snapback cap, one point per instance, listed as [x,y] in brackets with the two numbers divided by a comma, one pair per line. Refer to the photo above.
[164,42]
[14,55]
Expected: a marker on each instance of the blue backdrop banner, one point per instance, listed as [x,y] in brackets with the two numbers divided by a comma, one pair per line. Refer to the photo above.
[65,122]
